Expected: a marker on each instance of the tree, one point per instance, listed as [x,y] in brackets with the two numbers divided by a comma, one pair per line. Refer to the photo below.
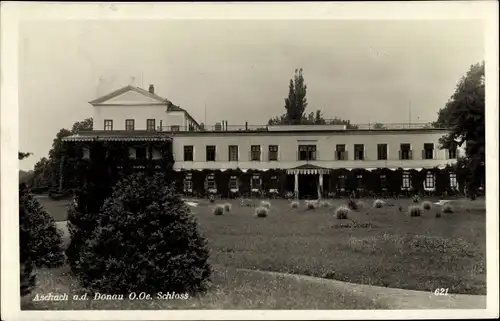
[146,239]
[464,115]
[378,126]
[296,104]
[47,170]
[86,124]
[21,155]
[43,241]
[27,277]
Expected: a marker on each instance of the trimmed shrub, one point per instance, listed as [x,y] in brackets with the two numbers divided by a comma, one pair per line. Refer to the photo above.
[227,207]
[218,209]
[261,211]
[265,204]
[352,204]
[146,239]
[294,204]
[426,205]
[27,277]
[378,203]
[342,212]
[447,208]
[414,211]
[325,204]
[42,239]
[311,205]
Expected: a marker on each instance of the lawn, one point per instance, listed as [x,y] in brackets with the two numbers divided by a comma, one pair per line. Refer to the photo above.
[417,253]
[391,249]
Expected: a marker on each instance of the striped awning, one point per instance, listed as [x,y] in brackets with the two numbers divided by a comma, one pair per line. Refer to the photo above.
[308,171]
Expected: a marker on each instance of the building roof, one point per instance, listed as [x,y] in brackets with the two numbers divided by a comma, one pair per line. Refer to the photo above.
[168,103]
[118,135]
[124,90]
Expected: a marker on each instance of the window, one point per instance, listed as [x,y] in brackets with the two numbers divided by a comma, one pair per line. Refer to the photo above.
[340,152]
[428,152]
[108,124]
[174,128]
[255,152]
[382,151]
[359,152]
[430,180]
[210,153]
[188,153]
[273,152]
[150,124]
[406,181]
[453,181]
[274,182]
[188,183]
[140,153]
[359,181]
[341,183]
[233,153]
[383,182]
[210,182]
[255,182]
[233,182]
[129,124]
[307,152]
[405,151]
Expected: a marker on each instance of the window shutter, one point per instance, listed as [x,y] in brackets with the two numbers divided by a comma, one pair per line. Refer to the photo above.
[410,154]
[400,154]
[317,155]
[446,153]
[423,153]
[458,153]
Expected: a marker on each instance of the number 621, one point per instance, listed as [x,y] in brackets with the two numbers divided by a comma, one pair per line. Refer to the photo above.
[441,291]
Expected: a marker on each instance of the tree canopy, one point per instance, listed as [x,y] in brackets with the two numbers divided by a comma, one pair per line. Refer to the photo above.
[46,171]
[464,115]
[296,104]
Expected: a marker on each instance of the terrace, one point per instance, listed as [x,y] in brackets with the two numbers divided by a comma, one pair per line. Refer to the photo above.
[328,126]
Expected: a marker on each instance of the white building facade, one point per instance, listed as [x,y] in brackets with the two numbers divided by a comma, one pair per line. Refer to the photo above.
[301,149]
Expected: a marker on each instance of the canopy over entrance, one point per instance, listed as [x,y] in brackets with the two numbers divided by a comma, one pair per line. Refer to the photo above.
[308,169]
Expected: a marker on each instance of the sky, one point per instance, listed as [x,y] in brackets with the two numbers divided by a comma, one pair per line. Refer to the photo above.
[239,70]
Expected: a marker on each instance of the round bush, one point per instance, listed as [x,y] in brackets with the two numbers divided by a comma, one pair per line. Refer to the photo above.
[294,204]
[261,211]
[218,209]
[311,205]
[414,210]
[426,205]
[378,203]
[447,208]
[265,204]
[146,239]
[41,239]
[342,212]
[227,207]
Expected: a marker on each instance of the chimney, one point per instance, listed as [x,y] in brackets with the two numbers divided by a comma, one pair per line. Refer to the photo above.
[152,88]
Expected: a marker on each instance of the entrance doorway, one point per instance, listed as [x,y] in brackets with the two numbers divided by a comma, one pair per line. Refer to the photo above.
[308,186]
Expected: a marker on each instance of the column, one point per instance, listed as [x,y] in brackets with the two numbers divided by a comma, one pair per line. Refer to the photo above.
[296,185]
[320,191]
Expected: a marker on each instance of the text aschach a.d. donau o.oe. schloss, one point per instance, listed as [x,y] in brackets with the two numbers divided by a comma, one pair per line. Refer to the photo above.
[111,297]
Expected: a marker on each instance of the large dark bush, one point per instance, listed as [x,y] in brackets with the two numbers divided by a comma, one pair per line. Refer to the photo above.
[40,236]
[146,239]
[27,277]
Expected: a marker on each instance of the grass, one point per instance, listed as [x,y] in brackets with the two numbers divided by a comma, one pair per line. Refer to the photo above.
[231,289]
[382,246]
